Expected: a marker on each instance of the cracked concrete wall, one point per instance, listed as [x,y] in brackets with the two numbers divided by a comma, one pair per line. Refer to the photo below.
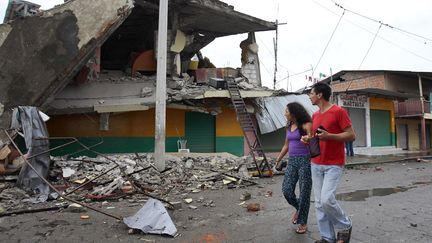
[43,52]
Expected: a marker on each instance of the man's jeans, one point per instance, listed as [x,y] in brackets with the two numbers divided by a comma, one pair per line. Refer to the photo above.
[325,179]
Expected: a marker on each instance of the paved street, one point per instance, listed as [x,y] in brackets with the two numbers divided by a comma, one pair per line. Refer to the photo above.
[398,212]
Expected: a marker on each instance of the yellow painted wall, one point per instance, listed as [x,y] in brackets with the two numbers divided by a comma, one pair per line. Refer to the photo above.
[413,132]
[125,124]
[227,124]
[384,104]
[175,123]
[136,124]
[413,137]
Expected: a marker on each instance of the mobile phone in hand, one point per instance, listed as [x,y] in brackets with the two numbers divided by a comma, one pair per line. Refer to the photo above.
[322,128]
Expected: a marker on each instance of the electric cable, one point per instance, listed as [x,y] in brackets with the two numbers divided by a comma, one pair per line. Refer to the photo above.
[370,46]
[322,54]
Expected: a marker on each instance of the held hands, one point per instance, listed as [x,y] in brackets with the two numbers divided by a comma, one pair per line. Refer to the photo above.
[305,139]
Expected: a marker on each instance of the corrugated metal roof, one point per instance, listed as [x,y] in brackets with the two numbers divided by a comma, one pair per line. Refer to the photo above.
[271,114]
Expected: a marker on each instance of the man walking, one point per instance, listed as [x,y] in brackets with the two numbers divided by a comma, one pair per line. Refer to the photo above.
[333,127]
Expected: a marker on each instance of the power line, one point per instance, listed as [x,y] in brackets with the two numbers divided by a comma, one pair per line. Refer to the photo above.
[367,52]
[292,75]
[380,22]
[331,37]
[268,71]
[268,49]
[372,33]
[322,54]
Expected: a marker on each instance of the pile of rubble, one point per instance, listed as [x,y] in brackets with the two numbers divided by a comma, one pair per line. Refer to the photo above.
[118,176]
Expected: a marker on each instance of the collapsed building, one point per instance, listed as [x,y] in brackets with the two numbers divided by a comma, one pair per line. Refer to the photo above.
[91,67]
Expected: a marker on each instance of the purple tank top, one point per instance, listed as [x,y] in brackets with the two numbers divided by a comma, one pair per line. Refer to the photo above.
[296,147]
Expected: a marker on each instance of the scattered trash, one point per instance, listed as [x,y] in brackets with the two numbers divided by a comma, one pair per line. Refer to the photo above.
[152,218]
[75,208]
[84,217]
[188,200]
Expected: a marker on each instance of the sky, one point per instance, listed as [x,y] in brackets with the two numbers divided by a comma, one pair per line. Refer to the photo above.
[312,39]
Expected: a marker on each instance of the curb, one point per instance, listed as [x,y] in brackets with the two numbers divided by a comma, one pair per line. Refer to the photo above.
[409,159]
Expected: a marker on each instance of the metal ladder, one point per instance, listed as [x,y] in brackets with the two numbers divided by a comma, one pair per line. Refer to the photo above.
[256,150]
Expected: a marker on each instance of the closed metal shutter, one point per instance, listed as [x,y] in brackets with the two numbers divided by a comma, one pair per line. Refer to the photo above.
[402,134]
[380,128]
[200,132]
[358,119]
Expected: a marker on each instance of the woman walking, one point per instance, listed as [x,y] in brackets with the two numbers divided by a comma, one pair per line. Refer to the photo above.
[298,168]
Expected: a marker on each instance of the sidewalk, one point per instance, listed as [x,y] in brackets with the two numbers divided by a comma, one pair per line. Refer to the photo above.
[376,155]
[372,155]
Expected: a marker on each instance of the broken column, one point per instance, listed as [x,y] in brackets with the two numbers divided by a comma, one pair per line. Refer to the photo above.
[250,61]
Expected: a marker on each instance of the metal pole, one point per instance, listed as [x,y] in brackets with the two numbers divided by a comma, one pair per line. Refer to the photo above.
[160,120]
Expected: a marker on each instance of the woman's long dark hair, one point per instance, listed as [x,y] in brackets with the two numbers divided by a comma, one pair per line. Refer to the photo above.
[300,114]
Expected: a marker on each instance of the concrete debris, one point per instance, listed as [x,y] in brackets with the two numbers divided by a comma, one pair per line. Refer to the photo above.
[253,207]
[146,91]
[131,176]
[68,172]
[245,196]
[246,85]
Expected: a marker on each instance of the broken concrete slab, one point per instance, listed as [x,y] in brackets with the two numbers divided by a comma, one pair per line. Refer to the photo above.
[55,45]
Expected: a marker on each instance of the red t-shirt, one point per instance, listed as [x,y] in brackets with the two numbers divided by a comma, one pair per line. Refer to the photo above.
[334,120]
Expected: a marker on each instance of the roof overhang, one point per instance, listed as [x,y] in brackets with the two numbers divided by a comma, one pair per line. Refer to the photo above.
[382,93]
[338,75]
[211,17]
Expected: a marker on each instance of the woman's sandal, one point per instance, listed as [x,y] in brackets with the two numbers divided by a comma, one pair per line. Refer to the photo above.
[344,236]
[301,229]
[294,218]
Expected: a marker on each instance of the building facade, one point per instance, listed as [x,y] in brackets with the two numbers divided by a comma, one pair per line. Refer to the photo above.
[386,106]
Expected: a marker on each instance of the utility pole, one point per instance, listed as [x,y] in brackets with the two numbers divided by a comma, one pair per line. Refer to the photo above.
[275,45]
[160,121]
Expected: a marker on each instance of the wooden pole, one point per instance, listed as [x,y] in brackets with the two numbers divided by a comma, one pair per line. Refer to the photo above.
[423,122]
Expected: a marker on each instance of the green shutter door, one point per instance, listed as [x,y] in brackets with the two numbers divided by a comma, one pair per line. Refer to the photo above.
[200,132]
[380,128]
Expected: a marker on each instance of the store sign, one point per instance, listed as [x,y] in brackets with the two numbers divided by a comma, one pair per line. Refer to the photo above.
[353,100]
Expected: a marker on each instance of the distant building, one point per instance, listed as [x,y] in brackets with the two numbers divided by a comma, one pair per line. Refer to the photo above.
[387,108]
